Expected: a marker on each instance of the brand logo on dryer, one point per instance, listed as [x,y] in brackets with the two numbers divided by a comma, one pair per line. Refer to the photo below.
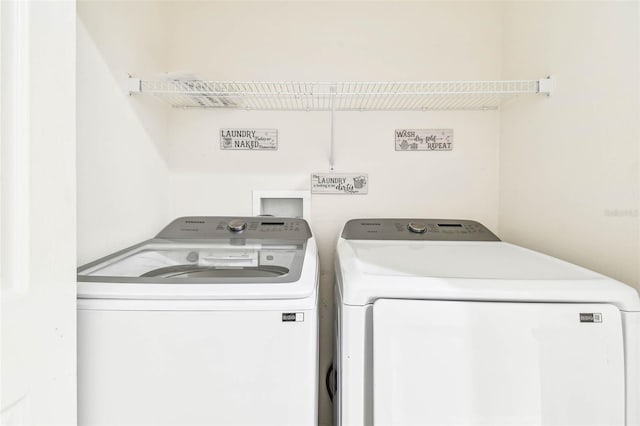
[292,316]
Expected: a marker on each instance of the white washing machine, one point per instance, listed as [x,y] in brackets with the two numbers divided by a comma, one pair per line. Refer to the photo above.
[212,322]
[440,323]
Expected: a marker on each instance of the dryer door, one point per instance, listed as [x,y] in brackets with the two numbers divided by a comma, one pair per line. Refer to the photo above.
[484,363]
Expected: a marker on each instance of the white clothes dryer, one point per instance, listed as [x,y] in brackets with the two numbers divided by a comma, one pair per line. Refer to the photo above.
[440,323]
[212,322]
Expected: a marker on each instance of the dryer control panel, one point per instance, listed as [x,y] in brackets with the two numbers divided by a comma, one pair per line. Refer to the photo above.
[417,229]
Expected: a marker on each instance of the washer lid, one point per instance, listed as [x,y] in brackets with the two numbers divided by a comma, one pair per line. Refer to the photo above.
[206,257]
[468,270]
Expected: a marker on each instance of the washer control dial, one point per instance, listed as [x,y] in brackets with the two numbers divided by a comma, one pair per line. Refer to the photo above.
[237,225]
[417,227]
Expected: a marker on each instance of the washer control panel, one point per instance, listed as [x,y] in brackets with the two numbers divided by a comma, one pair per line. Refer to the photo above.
[216,227]
[417,229]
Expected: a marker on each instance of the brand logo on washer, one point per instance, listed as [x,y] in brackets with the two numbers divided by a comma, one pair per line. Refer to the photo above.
[292,316]
[590,317]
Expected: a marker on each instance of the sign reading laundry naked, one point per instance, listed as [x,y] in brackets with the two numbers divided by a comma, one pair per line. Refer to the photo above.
[339,183]
[249,139]
[424,139]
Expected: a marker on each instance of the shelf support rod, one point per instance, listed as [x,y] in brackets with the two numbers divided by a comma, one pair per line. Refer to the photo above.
[545,85]
[332,90]
[134,85]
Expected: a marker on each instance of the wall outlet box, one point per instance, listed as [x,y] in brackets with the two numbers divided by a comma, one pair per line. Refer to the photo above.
[282,203]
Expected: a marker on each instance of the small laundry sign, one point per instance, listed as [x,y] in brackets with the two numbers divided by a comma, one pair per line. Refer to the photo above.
[249,139]
[339,183]
[424,139]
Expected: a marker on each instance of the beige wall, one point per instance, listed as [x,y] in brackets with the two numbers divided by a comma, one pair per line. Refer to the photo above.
[327,40]
[559,175]
[121,142]
[569,179]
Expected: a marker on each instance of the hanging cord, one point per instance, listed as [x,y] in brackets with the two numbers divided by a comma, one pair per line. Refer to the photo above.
[332,90]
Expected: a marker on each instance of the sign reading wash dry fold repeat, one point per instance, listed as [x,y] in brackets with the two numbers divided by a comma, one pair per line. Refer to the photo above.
[424,139]
[249,139]
[339,183]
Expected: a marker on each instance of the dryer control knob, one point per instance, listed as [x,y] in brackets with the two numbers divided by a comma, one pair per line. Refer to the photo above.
[237,225]
[417,227]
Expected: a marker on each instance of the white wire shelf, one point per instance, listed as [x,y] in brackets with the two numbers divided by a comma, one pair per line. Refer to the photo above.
[339,96]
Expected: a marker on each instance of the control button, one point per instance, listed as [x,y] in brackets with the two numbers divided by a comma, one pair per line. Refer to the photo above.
[417,227]
[237,225]
[192,257]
